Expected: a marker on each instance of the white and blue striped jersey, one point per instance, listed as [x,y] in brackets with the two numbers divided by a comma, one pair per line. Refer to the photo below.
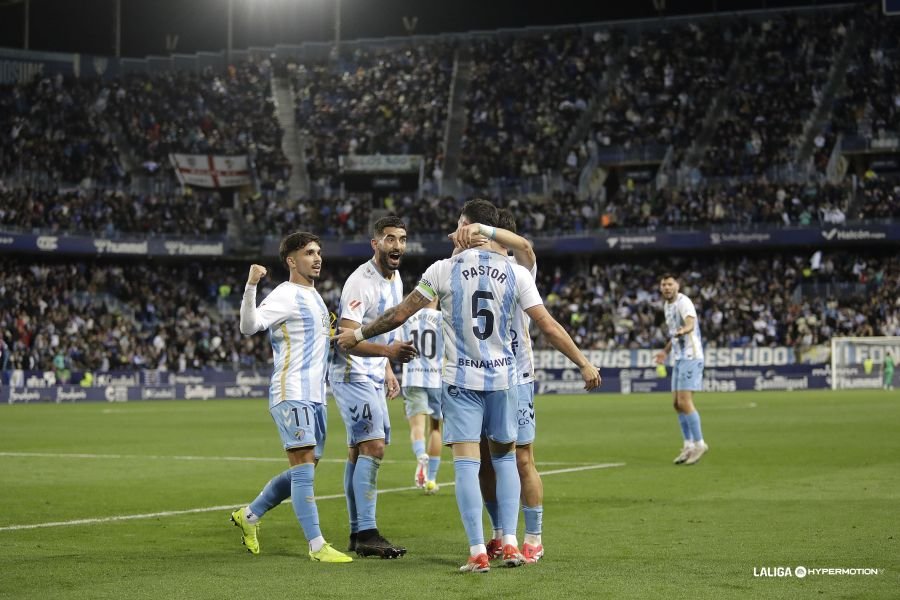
[424,330]
[480,291]
[299,325]
[688,346]
[365,296]
[521,339]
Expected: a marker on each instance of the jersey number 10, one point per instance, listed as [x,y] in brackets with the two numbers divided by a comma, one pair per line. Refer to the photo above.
[427,345]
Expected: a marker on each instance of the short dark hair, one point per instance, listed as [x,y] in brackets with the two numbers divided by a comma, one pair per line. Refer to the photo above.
[388,221]
[506,220]
[295,241]
[481,211]
[668,276]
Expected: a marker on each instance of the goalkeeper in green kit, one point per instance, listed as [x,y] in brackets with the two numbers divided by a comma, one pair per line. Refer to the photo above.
[888,371]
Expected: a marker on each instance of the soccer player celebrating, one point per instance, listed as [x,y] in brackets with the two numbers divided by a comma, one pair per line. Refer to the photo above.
[358,382]
[422,393]
[532,486]
[299,327]
[479,290]
[686,347]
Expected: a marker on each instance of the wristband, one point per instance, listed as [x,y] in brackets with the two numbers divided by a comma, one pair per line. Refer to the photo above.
[357,333]
[487,230]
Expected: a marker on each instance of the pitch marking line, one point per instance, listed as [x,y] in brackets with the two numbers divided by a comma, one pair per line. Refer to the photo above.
[281,459]
[174,513]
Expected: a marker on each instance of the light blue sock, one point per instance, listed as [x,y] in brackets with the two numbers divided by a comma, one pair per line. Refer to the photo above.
[303,499]
[468,497]
[493,511]
[693,420]
[349,469]
[534,517]
[276,491]
[685,427]
[509,488]
[365,489]
[419,448]
[434,463]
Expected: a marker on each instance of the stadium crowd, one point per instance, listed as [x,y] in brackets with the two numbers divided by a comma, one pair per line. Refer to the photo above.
[64,146]
[782,80]
[668,80]
[382,101]
[54,129]
[96,315]
[195,213]
[211,112]
[741,301]
[633,206]
[869,104]
[526,95]
[72,130]
[101,315]
[878,198]
[113,212]
[739,203]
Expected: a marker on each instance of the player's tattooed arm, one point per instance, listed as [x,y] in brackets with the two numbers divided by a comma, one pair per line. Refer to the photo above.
[390,319]
[396,351]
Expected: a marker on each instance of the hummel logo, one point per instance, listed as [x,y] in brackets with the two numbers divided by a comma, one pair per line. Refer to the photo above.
[829,235]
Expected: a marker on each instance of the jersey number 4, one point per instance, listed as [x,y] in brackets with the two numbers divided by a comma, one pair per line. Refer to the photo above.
[480,312]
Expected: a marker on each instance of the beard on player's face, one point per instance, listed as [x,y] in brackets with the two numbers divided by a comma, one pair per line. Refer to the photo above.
[389,261]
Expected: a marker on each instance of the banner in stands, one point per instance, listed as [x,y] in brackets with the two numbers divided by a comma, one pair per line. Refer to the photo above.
[627,381]
[608,242]
[67,245]
[128,393]
[623,371]
[209,171]
[381,172]
[725,370]
[778,356]
[441,248]
[380,163]
[21,66]
[548,360]
[129,387]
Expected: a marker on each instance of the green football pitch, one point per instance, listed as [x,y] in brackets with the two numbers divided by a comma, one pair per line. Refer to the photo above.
[132,501]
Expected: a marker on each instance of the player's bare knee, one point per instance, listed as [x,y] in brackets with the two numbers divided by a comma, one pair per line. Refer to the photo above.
[524,459]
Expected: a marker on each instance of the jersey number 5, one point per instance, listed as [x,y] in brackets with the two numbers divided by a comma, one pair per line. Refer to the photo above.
[478,312]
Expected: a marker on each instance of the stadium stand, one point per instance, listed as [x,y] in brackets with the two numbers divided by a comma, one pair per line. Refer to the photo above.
[732,101]
[102,314]
[378,101]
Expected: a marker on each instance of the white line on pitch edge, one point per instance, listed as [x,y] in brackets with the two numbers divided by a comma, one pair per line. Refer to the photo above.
[173,513]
